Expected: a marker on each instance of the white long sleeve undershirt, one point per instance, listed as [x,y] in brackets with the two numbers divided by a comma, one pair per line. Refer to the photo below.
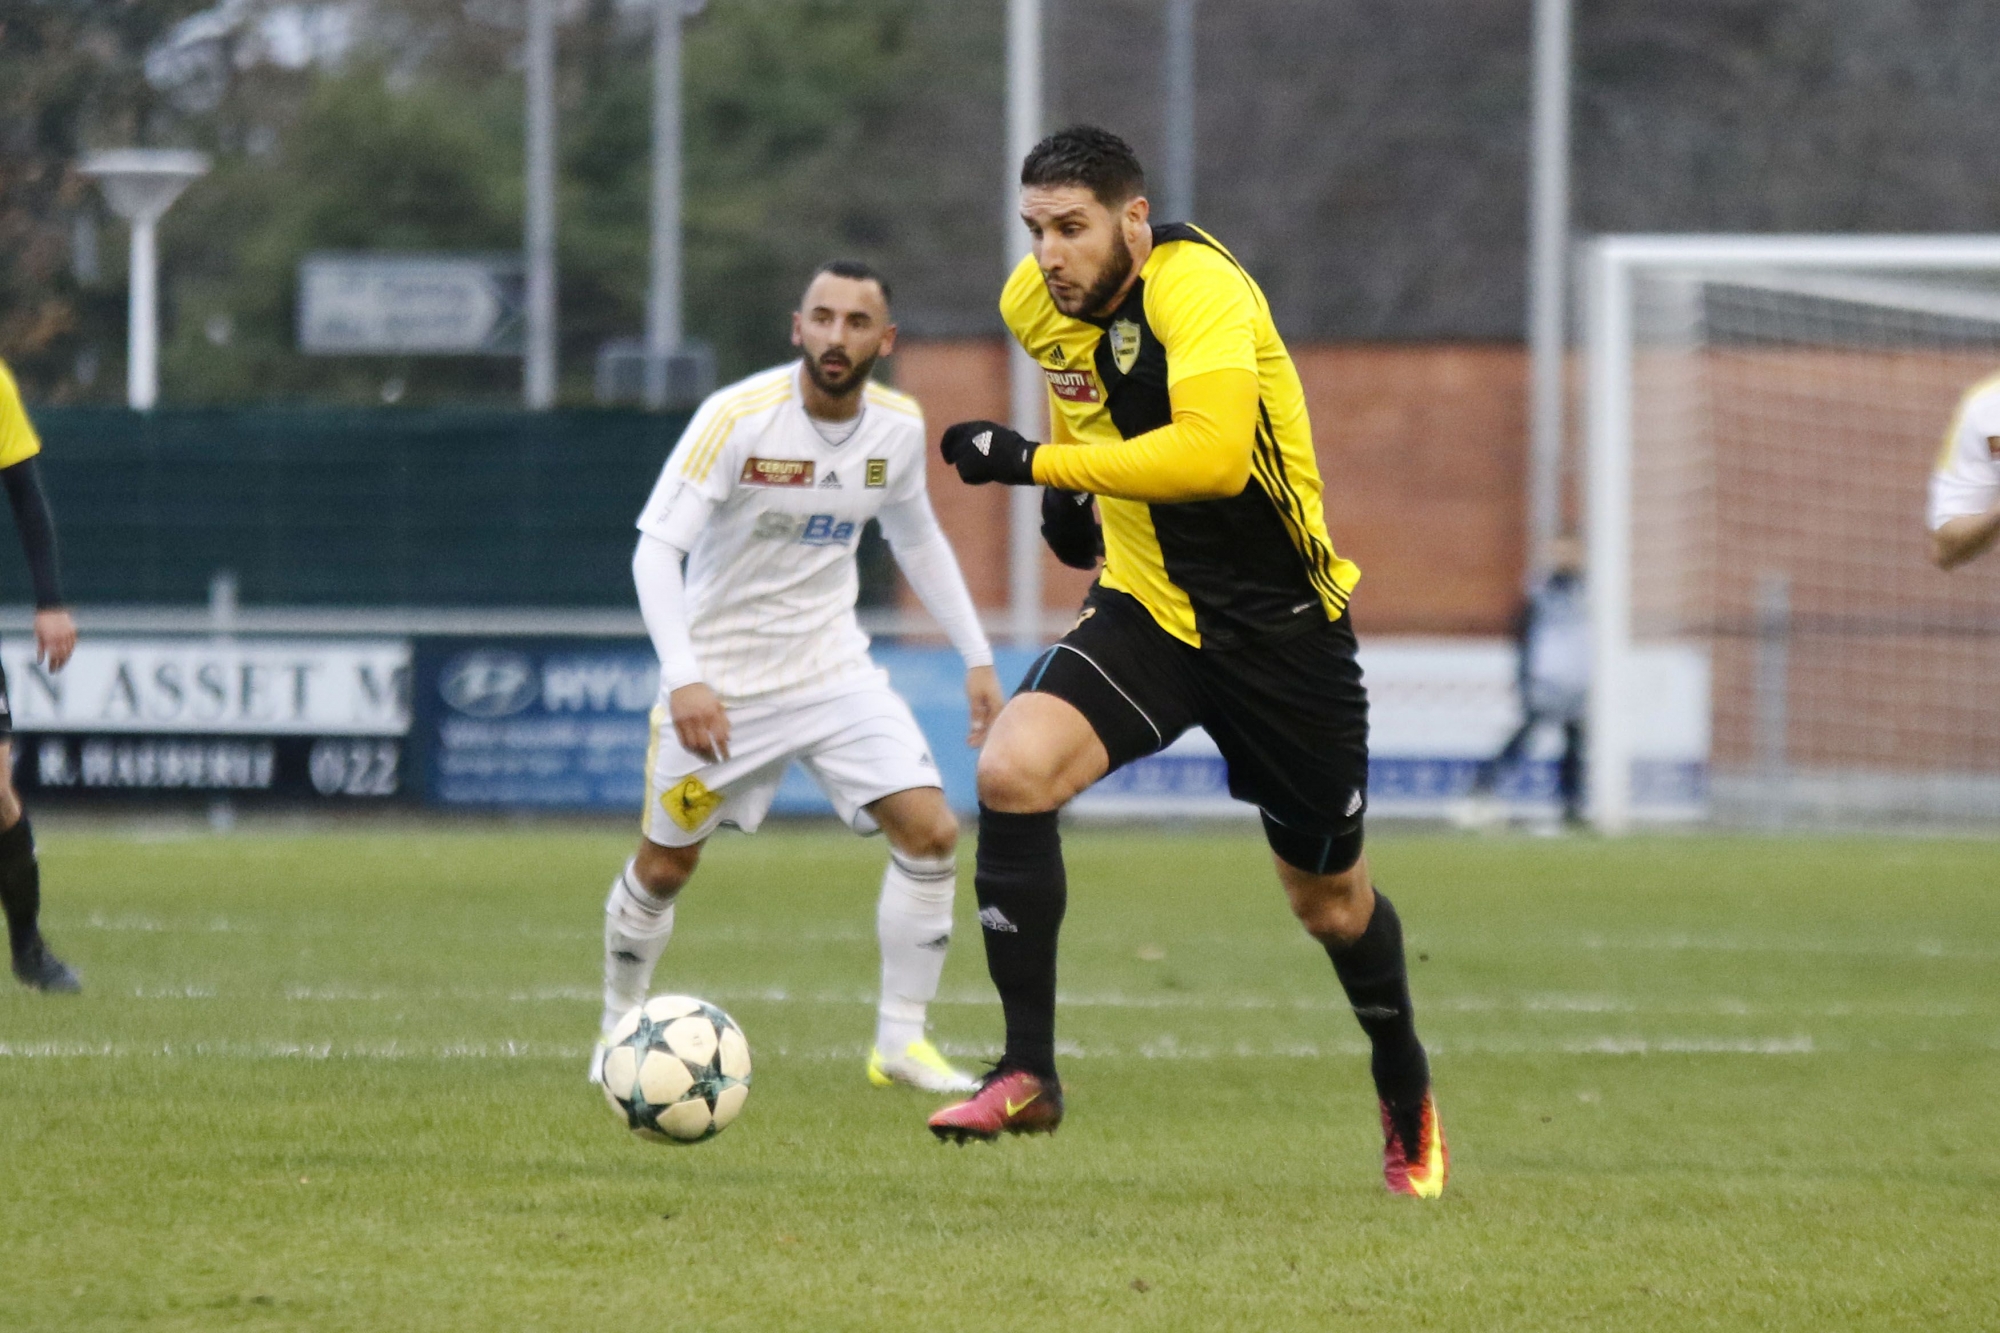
[925,556]
[656,573]
[922,552]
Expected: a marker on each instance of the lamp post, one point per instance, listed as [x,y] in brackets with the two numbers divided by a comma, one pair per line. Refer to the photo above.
[538,240]
[664,326]
[140,184]
[1027,394]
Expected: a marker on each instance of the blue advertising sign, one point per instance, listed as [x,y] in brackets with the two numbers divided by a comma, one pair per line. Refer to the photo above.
[561,724]
[553,724]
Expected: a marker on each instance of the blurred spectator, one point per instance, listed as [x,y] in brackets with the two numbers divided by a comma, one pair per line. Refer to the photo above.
[1553,677]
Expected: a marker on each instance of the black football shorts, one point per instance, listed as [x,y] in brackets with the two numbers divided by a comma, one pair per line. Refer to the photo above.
[1289,715]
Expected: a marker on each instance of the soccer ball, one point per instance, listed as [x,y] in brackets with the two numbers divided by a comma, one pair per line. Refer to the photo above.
[677,1070]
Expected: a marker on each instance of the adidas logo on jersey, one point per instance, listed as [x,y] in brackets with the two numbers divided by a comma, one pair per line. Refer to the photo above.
[994,919]
[830,482]
[1056,357]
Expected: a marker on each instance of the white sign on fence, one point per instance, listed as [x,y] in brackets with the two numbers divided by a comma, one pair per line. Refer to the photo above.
[410,304]
[211,687]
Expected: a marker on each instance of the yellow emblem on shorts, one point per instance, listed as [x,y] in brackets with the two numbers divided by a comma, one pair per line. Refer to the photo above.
[689,802]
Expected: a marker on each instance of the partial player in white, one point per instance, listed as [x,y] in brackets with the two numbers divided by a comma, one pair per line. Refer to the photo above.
[762,661]
[1964,511]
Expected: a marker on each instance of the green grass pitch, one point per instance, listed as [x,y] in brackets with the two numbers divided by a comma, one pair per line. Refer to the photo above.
[334,1080]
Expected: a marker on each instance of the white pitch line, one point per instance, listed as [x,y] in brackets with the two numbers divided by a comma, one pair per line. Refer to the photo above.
[1164,1047]
[1553,1005]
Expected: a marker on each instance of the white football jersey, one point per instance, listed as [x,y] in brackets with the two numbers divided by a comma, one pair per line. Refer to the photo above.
[770,515]
[1966,480]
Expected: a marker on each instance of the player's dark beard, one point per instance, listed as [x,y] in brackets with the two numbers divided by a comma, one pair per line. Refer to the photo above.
[1117,268]
[840,383]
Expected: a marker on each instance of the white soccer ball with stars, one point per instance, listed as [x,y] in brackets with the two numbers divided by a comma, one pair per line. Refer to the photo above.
[677,1070]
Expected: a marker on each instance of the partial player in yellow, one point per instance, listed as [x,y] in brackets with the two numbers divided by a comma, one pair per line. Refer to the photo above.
[1222,604]
[55,639]
[1964,509]
[746,578]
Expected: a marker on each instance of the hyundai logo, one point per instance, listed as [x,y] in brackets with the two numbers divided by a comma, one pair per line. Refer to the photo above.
[489,684]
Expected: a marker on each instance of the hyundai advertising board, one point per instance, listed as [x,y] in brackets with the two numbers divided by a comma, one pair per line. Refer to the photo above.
[554,724]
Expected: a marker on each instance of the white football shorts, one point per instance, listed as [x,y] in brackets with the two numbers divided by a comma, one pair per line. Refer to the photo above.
[859,747]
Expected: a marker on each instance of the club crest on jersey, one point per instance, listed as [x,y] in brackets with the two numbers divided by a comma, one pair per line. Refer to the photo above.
[1124,335]
[878,474]
[1072,386]
[776,472]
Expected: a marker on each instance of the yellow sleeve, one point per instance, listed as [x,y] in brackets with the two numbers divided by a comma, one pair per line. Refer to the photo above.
[18,441]
[1021,303]
[1204,312]
[1203,455]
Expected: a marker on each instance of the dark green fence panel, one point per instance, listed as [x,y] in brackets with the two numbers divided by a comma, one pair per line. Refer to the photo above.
[348,508]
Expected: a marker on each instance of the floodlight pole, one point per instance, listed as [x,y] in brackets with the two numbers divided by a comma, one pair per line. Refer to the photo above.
[1177,177]
[1548,260]
[141,184]
[538,368]
[663,290]
[1027,398]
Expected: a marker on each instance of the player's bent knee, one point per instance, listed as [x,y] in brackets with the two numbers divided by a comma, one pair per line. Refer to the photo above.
[664,871]
[1332,908]
[935,840]
[1013,781]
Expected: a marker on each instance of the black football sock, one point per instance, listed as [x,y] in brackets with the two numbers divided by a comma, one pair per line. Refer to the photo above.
[1372,972]
[20,885]
[1022,893]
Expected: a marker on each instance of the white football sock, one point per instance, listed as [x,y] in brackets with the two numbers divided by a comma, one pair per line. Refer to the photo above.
[913,922]
[637,927]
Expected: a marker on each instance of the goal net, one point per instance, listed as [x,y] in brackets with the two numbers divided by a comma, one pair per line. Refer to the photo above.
[1772,644]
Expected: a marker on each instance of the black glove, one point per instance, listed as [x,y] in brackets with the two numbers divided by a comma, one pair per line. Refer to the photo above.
[1070,528]
[984,451]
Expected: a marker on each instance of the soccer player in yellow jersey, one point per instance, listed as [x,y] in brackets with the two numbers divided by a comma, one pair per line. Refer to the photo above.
[1221,604]
[55,640]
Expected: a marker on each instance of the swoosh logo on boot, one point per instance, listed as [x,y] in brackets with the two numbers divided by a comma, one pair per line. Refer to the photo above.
[1015,1108]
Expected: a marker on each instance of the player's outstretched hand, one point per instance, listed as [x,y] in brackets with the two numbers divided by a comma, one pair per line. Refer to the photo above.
[983,693]
[1069,526]
[55,638]
[699,721]
[984,451]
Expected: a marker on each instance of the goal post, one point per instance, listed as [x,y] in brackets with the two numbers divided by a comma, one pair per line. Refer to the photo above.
[1770,643]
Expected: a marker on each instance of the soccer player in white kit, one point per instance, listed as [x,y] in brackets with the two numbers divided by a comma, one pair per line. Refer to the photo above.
[762,662]
[1964,511]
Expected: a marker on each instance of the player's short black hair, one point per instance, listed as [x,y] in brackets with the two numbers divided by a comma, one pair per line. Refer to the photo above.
[858,269]
[1089,156]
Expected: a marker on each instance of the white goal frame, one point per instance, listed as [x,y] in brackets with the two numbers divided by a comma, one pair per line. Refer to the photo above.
[1612,264]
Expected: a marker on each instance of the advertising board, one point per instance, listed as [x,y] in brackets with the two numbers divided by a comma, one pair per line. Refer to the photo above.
[552,724]
[288,717]
[562,725]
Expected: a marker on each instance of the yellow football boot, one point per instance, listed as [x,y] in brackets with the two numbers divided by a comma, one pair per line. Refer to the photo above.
[919,1065]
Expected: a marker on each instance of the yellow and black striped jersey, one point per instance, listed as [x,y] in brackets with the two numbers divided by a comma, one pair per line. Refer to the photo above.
[18,441]
[1212,572]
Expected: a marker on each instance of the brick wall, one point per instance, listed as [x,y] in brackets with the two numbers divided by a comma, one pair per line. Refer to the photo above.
[1422,447]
